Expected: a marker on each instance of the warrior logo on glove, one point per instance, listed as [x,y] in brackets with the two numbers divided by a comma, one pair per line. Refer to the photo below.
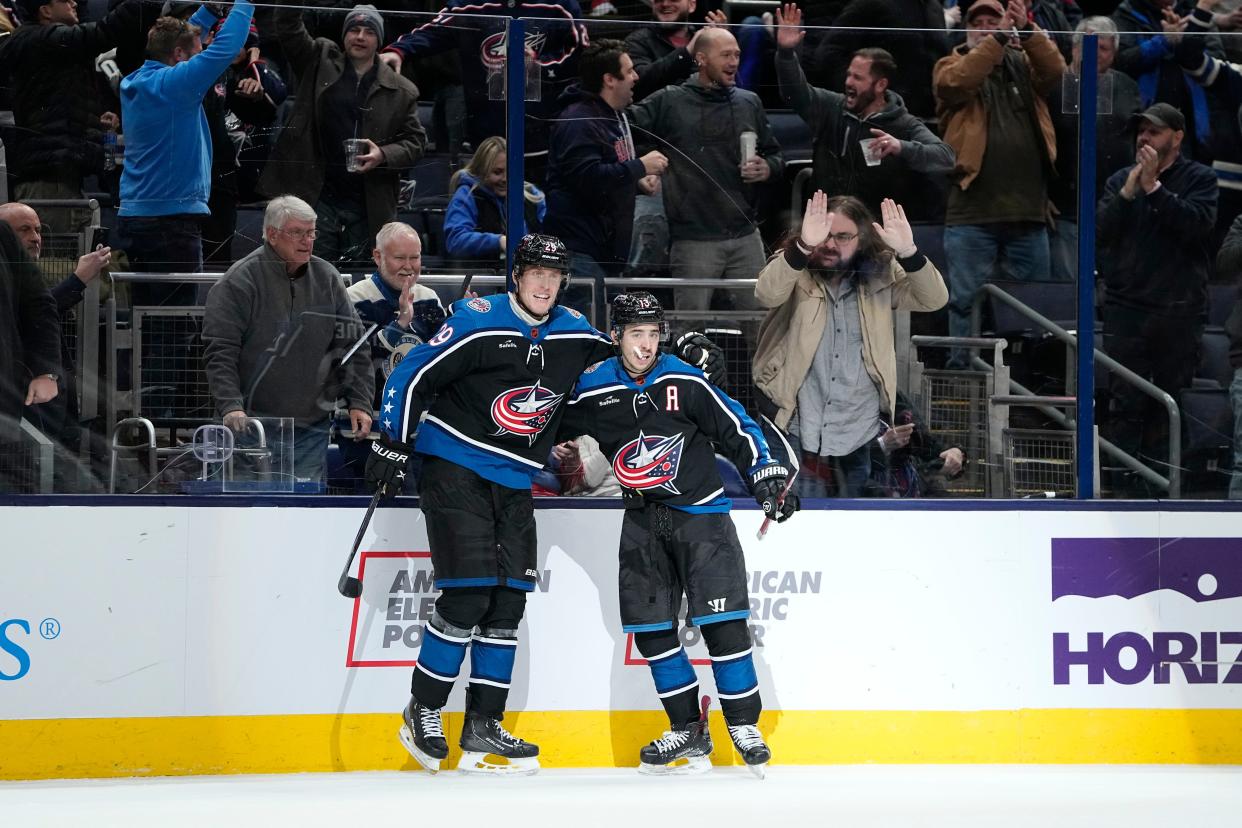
[525,411]
[649,462]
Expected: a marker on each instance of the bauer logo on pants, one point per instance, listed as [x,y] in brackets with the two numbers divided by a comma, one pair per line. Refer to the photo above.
[1147,611]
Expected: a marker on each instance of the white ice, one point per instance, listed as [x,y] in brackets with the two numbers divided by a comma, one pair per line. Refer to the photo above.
[963,796]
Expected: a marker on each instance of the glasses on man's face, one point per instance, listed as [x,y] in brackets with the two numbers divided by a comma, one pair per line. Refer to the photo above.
[300,235]
[842,238]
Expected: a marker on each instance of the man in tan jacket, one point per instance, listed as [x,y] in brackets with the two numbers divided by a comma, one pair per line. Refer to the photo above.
[990,101]
[826,358]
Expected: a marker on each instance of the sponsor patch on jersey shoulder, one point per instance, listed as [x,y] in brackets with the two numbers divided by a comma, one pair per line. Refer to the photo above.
[443,335]
[479,304]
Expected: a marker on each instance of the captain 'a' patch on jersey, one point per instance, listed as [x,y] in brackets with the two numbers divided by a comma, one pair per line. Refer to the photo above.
[525,411]
[649,462]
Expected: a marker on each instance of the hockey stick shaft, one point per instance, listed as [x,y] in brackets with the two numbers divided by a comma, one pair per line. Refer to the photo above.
[346,585]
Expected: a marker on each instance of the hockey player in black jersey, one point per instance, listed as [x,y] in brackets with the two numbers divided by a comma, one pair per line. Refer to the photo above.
[492,382]
[658,418]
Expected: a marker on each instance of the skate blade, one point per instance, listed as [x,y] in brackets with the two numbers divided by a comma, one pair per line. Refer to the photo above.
[407,739]
[694,765]
[760,770]
[477,764]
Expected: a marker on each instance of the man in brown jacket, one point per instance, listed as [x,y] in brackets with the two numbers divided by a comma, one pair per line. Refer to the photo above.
[826,358]
[344,93]
[990,102]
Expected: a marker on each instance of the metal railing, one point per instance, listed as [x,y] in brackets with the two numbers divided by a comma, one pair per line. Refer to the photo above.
[955,407]
[1172,483]
[1040,462]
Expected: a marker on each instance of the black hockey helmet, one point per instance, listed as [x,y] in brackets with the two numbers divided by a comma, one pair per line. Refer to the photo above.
[538,250]
[637,308]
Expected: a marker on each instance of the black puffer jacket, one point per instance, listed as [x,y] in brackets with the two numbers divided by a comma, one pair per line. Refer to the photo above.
[698,128]
[29,330]
[55,104]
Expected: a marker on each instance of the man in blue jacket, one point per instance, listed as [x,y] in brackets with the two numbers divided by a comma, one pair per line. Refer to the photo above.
[594,174]
[167,177]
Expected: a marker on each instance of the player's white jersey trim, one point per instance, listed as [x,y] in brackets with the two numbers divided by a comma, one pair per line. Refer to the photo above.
[482,445]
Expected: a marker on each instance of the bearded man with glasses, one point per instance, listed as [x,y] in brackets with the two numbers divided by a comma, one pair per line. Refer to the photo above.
[277,335]
[826,359]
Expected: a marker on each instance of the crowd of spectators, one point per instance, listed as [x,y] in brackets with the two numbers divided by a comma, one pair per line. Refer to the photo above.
[648,149]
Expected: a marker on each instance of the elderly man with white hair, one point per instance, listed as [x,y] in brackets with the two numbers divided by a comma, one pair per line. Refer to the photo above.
[406,312]
[278,328]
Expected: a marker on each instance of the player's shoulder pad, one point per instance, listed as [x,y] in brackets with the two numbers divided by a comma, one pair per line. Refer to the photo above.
[565,319]
[602,374]
[672,364]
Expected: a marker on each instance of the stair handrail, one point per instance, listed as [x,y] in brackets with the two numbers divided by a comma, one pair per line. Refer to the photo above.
[1174,480]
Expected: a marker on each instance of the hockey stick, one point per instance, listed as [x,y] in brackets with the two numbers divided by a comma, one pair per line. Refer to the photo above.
[793,461]
[349,586]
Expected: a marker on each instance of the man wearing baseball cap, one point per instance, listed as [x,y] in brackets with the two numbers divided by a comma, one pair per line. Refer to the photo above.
[344,95]
[1154,226]
[990,99]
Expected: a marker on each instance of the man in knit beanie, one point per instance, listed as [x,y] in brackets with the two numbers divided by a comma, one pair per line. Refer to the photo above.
[358,131]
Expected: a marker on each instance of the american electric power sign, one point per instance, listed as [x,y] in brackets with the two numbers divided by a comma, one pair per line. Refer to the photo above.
[402,585]
[1147,610]
[1124,611]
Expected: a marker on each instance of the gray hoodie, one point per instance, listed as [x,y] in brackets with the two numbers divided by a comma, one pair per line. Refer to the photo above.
[273,342]
[699,129]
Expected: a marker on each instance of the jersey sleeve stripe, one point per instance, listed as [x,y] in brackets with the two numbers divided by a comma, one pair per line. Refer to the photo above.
[709,498]
[717,395]
[483,446]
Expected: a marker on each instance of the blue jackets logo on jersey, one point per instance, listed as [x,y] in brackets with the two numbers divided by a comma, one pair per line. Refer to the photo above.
[479,304]
[525,410]
[649,462]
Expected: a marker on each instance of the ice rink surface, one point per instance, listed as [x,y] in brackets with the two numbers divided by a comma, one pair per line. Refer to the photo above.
[963,796]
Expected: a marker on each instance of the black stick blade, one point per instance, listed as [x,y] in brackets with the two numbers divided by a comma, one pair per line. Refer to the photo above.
[349,587]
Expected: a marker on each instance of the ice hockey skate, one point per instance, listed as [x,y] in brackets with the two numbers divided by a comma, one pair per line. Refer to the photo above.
[751,747]
[482,737]
[663,757]
[423,735]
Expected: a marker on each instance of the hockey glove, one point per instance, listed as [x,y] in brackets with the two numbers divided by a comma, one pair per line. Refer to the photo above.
[386,465]
[696,349]
[768,484]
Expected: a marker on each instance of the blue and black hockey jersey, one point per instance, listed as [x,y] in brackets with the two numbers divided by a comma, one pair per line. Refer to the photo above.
[658,431]
[493,387]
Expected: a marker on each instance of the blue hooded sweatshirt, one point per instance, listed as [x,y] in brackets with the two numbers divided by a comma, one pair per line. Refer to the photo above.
[167,142]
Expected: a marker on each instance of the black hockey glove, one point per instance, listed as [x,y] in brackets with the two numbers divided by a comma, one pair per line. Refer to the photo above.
[696,349]
[387,464]
[767,484]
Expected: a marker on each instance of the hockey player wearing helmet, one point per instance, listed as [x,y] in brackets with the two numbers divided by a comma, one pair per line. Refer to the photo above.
[677,538]
[491,382]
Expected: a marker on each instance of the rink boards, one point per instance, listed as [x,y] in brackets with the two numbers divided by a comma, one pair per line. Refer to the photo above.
[184,639]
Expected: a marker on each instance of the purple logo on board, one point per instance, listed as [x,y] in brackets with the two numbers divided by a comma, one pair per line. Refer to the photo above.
[1202,569]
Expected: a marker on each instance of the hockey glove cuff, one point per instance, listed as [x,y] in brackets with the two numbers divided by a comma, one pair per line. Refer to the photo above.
[387,464]
[696,349]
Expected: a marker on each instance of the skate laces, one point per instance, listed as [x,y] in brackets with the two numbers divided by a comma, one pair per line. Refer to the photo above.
[745,736]
[430,721]
[671,740]
[503,736]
